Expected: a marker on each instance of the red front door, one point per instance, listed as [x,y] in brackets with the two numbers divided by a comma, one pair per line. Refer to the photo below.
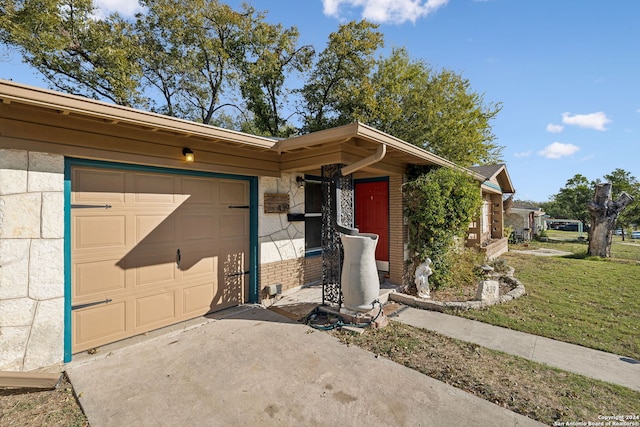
[372,213]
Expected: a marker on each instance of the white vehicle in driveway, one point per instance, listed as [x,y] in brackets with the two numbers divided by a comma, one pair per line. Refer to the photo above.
[635,234]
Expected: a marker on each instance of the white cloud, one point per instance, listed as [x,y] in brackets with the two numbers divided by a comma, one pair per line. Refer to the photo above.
[595,121]
[554,128]
[523,154]
[385,11]
[126,8]
[557,150]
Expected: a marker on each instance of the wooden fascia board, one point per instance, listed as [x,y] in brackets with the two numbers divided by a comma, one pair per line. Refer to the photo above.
[505,181]
[359,131]
[46,126]
[118,148]
[39,380]
[68,104]
[490,190]
[335,135]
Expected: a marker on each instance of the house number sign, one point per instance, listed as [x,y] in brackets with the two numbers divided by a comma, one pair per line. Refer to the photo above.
[276,203]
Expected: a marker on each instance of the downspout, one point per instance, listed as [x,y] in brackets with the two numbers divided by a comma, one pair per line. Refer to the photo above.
[348,170]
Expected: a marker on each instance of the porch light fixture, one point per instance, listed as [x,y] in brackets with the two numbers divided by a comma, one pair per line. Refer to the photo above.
[188,155]
[300,180]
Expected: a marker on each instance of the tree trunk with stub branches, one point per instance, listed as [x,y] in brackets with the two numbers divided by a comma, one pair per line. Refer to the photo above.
[604,213]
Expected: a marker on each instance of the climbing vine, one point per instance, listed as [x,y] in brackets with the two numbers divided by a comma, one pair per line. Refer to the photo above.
[439,206]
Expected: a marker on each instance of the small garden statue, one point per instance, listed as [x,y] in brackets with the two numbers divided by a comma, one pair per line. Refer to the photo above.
[423,271]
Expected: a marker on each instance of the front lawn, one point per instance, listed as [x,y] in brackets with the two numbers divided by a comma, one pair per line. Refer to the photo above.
[590,302]
[532,389]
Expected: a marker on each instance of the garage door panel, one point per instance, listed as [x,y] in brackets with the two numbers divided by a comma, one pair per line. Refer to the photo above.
[149,274]
[96,324]
[232,262]
[233,192]
[235,225]
[198,226]
[154,189]
[199,190]
[198,263]
[98,186]
[155,228]
[100,231]
[198,299]
[98,277]
[129,253]
[155,310]
[230,293]
[145,255]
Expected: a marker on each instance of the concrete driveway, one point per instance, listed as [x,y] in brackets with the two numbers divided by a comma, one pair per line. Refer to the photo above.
[249,366]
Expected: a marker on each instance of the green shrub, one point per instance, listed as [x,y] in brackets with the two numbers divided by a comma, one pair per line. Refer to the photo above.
[464,267]
[439,206]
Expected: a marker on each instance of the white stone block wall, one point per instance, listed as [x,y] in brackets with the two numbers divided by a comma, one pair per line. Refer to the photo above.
[279,239]
[31,260]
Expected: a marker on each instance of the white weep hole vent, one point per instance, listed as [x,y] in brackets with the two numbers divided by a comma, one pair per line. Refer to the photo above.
[273,290]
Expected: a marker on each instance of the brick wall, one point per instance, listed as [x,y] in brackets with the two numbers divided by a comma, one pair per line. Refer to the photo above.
[397,232]
[291,273]
[313,269]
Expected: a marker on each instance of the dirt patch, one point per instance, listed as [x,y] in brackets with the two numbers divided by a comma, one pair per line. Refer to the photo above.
[29,407]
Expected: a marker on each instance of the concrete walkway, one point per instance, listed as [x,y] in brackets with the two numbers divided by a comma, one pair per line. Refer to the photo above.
[541,252]
[569,357]
[250,366]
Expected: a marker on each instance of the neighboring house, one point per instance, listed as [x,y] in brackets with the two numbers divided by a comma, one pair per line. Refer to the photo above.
[487,232]
[527,220]
[107,231]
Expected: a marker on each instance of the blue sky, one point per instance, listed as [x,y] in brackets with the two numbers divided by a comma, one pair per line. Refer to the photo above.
[567,72]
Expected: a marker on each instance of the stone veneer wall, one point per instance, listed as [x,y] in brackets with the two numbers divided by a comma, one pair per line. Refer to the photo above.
[281,243]
[31,260]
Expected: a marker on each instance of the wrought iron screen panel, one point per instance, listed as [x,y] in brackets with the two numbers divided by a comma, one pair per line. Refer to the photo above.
[332,252]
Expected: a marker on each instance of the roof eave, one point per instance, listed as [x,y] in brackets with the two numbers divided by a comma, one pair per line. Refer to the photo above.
[68,104]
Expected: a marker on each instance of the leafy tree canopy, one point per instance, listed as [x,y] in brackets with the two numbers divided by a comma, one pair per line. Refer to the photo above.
[339,84]
[571,201]
[201,60]
[435,110]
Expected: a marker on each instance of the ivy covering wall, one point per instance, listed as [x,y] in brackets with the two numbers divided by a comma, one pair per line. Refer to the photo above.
[440,203]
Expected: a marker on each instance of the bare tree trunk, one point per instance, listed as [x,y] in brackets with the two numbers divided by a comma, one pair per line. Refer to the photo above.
[604,213]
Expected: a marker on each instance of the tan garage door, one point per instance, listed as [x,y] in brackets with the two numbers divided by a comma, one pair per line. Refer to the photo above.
[151,249]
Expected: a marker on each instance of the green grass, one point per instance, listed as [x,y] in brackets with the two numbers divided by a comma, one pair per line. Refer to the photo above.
[590,302]
[629,249]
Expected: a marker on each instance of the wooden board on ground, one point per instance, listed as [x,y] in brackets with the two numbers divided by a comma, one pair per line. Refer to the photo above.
[41,380]
[297,311]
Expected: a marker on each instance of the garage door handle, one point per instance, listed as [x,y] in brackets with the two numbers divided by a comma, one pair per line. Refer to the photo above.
[178,258]
[90,304]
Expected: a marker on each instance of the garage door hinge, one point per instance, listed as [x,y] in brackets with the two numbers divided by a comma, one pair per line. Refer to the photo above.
[239,207]
[90,304]
[90,206]
[242,273]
